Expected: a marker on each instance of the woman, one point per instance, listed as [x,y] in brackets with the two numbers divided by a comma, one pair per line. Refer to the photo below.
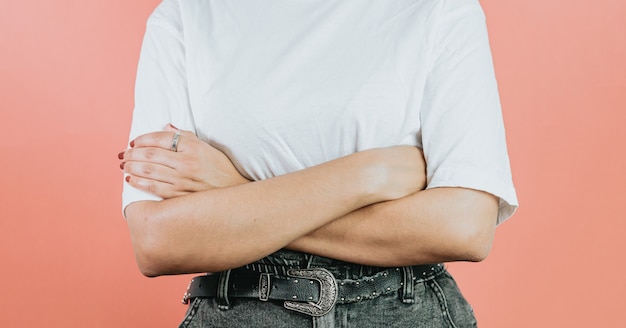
[331,155]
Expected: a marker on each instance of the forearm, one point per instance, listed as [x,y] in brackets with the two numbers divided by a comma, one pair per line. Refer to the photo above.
[430,226]
[228,227]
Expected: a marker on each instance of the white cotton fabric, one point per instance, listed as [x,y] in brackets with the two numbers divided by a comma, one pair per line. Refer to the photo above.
[282,85]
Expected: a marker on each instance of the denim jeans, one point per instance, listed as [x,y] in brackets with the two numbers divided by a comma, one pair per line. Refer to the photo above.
[436,302]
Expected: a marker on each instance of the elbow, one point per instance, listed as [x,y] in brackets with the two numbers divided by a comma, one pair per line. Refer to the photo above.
[159,261]
[164,246]
[474,240]
[157,256]
[474,228]
[149,260]
[475,249]
[148,271]
[149,243]
[461,230]
[149,256]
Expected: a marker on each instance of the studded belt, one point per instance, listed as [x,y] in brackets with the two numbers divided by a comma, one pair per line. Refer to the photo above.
[312,291]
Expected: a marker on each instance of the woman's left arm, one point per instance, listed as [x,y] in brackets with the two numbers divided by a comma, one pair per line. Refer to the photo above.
[430,226]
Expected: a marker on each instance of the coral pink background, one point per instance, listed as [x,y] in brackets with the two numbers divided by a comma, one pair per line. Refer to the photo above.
[66,94]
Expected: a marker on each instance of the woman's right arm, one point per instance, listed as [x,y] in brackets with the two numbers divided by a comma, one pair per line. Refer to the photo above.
[223,228]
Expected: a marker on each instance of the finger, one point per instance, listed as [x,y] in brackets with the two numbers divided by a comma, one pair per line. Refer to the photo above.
[154,171]
[151,155]
[160,139]
[158,188]
[171,128]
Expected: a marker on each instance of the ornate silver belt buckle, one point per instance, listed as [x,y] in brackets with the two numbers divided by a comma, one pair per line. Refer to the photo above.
[328,291]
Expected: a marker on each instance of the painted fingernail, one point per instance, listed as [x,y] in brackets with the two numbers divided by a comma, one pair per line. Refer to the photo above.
[132,143]
[120,155]
[122,165]
[172,125]
[127,178]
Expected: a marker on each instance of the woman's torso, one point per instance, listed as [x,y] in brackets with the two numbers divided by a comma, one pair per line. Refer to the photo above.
[284,85]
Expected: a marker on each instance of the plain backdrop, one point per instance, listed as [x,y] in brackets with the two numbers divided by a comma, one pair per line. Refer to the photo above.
[66,94]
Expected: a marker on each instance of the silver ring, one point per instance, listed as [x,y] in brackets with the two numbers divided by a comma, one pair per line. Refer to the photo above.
[174,147]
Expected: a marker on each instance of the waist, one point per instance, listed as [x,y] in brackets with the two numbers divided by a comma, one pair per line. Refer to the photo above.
[308,283]
[283,260]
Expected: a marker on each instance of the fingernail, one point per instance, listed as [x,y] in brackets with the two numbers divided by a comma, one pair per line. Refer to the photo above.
[132,143]
[120,155]
[127,178]
[122,165]
[172,125]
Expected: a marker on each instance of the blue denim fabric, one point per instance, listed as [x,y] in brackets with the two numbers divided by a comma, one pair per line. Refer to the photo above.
[438,302]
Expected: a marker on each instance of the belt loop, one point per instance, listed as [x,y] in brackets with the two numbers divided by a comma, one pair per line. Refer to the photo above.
[309,260]
[407,285]
[223,303]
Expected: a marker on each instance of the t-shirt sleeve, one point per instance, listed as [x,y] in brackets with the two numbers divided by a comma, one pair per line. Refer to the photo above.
[463,133]
[161,94]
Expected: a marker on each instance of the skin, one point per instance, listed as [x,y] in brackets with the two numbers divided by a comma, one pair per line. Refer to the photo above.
[368,208]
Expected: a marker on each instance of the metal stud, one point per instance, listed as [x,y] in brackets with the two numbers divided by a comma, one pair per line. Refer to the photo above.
[295,281]
[373,293]
[310,298]
[294,297]
[341,283]
[385,273]
[343,299]
[357,283]
[311,282]
[388,289]
[358,297]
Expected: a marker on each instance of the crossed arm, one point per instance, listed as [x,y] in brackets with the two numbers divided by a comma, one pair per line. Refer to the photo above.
[368,208]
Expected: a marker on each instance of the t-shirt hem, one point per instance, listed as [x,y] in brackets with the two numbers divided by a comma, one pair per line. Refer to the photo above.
[131,194]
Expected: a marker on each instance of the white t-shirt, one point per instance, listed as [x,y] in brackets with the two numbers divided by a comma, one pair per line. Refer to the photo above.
[282,85]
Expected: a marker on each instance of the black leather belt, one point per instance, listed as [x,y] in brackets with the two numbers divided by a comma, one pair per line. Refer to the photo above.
[313,291]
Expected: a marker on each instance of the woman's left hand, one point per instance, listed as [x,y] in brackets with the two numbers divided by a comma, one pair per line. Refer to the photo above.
[154,167]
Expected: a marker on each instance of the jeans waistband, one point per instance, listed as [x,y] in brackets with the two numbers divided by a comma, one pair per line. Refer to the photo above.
[312,279]
[279,262]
